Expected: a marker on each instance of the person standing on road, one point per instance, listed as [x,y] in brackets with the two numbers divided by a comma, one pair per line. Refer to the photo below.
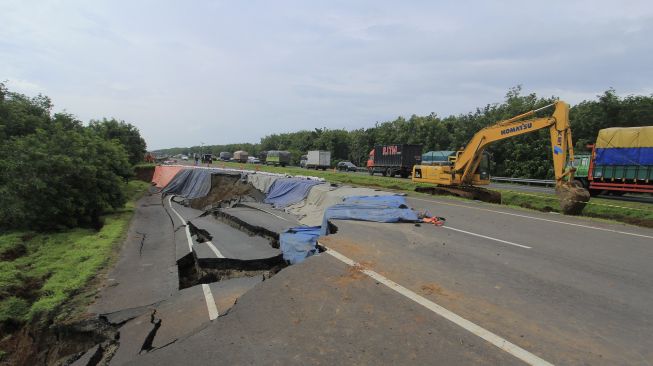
[197,159]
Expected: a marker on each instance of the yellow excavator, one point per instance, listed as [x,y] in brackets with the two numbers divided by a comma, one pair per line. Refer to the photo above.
[461,175]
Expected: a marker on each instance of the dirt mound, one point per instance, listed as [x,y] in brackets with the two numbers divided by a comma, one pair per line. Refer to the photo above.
[226,188]
[572,199]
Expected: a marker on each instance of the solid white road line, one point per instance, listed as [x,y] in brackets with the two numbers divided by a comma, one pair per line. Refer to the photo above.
[535,218]
[183,222]
[487,237]
[210,302]
[494,339]
[214,249]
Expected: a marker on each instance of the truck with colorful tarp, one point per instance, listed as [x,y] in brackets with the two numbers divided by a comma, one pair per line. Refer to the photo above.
[390,160]
[621,161]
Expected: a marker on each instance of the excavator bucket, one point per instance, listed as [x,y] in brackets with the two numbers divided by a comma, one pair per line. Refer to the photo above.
[572,198]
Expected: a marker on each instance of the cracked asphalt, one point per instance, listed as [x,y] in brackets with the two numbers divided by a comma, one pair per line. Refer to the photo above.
[565,290]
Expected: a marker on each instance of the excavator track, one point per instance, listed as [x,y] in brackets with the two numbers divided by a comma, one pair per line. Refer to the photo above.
[469,192]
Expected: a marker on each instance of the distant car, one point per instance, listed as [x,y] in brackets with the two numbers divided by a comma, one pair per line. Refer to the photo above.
[169,162]
[184,157]
[253,160]
[346,166]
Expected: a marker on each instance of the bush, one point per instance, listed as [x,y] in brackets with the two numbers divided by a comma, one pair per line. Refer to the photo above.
[54,172]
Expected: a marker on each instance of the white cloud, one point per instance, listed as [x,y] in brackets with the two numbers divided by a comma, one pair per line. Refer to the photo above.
[232,72]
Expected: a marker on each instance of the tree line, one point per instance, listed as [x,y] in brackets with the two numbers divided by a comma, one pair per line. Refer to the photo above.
[526,156]
[56,172]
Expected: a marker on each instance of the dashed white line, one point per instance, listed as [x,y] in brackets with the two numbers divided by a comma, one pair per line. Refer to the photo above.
[183,222]
[483,333]
[488,237]
[536,218]
[214,249]
[210,302]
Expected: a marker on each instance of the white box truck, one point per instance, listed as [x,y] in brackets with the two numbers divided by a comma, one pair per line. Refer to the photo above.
[318,159]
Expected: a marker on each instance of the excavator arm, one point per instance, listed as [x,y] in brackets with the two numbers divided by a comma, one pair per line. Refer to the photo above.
[459,178]
[560,132]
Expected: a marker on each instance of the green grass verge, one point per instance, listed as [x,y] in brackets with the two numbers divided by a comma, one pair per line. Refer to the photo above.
[629,212]
[39,272]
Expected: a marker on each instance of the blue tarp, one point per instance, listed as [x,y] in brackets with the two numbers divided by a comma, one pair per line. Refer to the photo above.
[624,156]
[299,243]
[370,208]
[395,201]
[287,191]
[193,183]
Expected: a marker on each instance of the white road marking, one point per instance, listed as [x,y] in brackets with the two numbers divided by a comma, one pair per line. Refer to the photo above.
[485,334]
[487,237]
[210,302]
[183,222]
[536,218]
[214,249]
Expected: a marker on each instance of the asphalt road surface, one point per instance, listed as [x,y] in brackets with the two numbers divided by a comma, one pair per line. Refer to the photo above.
[491,286]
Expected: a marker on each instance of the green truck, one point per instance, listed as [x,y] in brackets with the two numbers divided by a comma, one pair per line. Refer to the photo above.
[620,161]
[277,157]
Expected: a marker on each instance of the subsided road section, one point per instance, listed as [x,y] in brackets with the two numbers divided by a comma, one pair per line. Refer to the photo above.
[572,291]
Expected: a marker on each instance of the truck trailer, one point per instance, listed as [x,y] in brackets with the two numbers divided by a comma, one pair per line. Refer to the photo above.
[277,157]
[620,161]
[318,159]
[390,160]
[240,156]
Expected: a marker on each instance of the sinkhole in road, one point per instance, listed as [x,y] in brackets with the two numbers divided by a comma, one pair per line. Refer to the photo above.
[193,269]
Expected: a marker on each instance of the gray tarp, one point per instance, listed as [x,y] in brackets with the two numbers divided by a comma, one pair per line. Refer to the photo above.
[262,181]
[193,183]
[311,210]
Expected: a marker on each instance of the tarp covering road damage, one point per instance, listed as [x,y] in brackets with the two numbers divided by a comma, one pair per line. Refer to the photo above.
[300,243]
[311,210]
[286,191]
[163,174]
[193,183]
[370,208]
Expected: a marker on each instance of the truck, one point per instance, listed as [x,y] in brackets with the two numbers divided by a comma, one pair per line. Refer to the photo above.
[468,168]
[225,156]
[620,161]
[442,157]
[390,160]
[240,156]
[277,157]
[318,159]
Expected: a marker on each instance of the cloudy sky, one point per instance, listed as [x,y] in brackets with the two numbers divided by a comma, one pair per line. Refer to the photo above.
[186,72]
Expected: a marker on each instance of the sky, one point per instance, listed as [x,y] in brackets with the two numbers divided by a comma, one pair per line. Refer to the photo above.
[218,72]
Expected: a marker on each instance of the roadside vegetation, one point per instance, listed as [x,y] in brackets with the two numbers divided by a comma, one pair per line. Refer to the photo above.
[66,199]
[635,213]
[526,156]
[39,272]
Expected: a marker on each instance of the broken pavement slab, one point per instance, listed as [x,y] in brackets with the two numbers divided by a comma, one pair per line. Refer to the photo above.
[269,222]
[322,311]
[135,337]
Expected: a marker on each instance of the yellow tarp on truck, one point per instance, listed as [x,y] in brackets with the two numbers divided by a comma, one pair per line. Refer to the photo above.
[625,137]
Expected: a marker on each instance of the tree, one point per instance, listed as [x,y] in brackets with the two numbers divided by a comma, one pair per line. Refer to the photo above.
[54,172]
[125,133]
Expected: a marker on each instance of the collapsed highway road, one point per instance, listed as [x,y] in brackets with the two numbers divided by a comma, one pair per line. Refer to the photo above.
[209,285]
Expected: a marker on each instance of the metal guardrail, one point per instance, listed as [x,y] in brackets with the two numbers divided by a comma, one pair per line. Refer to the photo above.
[541,182]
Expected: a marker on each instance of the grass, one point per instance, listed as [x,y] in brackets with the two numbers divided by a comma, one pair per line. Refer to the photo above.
[629,212]
[39,272]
